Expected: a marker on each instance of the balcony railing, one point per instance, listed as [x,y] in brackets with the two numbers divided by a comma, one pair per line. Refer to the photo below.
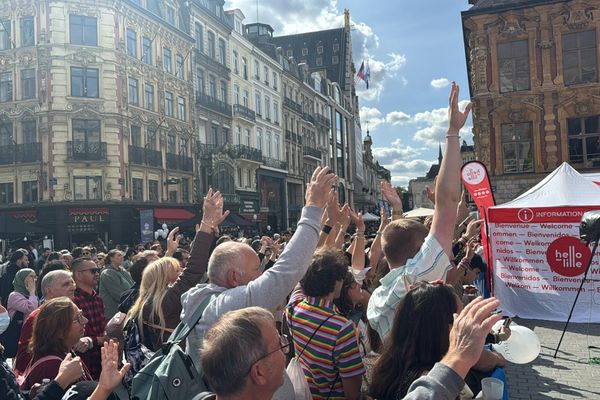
[247,153]
[212,63]
[20,153]
[308,117]
[244,112]
[79,150]
[292,104]
[323,120]
[273,163]
[143,156]
[311,152]
[294,137]
[179,162]
[213,103]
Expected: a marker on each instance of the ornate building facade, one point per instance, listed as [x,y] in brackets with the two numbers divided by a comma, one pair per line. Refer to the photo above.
[533,77]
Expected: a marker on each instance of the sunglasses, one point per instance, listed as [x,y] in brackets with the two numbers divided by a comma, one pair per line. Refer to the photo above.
[92,270]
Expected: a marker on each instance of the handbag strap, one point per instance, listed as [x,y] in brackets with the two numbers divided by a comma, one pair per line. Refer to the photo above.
[311,336]
[184,328]
[31,367]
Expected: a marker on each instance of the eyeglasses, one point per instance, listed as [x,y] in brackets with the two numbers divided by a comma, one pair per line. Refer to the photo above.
[80,319]
[86,253]
[92,270]
[284,347]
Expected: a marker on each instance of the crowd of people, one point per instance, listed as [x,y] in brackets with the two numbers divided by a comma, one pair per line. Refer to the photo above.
[323,312]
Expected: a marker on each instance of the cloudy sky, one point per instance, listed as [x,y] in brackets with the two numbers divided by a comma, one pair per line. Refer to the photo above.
[415,49]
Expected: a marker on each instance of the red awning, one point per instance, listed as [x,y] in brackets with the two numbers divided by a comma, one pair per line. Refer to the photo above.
[166,215]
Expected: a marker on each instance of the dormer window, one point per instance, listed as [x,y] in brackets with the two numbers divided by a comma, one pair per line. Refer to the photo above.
[304,51]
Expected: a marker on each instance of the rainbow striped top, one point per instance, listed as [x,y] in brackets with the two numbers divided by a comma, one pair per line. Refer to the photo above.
[332,354]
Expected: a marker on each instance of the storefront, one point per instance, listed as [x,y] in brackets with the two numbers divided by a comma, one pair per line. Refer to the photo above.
[272,200]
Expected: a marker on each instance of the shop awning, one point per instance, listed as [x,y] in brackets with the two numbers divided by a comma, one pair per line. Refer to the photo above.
[172,215]
[235,220]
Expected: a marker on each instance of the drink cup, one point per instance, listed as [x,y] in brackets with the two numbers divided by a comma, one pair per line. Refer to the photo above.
[492,388]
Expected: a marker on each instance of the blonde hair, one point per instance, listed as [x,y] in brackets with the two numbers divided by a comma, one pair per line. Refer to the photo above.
[153,288]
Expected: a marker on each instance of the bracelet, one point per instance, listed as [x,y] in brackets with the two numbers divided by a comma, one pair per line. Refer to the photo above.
[451,136]
[213,228]
[326,229]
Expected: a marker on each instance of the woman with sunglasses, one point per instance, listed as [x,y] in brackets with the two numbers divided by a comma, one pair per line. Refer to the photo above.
[56,329]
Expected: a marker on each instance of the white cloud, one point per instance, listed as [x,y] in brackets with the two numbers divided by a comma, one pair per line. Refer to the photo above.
[432,125]
[371,118]
[393,152]
[440,83]
[397,118]
[380,72]
[403,171]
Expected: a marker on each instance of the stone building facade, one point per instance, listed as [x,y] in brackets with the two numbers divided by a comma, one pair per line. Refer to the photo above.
[533,77]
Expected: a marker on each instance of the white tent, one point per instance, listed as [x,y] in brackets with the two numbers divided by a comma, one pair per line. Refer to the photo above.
[419,212]
[537,257]
[368,217]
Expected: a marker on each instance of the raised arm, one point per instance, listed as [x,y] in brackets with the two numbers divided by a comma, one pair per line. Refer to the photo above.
[390,194]
[448,188]
[375,253]
[358,252]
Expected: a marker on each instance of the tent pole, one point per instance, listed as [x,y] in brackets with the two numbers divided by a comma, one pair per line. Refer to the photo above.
[577,296]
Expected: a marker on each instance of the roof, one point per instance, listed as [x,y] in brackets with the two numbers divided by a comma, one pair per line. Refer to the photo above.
[563,187]
[310,41]
[492,6]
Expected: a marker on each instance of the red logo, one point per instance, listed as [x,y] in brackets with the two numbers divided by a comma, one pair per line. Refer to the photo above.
[525,215]
[473,173]
[568,256]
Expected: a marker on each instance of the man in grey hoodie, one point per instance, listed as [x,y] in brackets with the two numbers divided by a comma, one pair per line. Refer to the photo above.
[234,269]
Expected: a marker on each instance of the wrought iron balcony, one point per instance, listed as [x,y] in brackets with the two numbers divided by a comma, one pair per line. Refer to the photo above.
[323,120]
[213,104]
[20,153]
[179,162]
[292,104]
[244,112]
[247,153]
[211,63]
[80,150]
[273,163]
[311,152]
[144,156]
[308,117]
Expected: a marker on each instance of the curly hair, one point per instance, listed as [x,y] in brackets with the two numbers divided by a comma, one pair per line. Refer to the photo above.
[326,268]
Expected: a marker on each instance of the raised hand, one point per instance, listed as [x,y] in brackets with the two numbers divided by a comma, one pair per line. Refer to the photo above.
[319,188]
[212,210]
[383,219]
[111,376]
[473,228]
[462,210]
[333,207]
[390,194]
[345,215]
[357,218]
[172,241]
[456,118]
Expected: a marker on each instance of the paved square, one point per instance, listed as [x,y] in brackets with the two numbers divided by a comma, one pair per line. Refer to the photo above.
[570,375]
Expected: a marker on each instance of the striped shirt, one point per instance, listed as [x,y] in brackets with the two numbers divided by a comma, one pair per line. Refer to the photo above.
[332,354]
[429,264]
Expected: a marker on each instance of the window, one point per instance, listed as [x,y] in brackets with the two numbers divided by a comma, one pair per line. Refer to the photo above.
[171,15]
[171,144]
[214,135]
[513,66]
[225,133]
[517,149]
[146,50]
[29,131]
[169,104]
[151,139]
[136,136]
[167,59]
[238,135]
[319,61]
[137,189]
[7,194]
[223,97]
[152,190]
[5,35]
[82,30]
[200,81]
[183,147]
[335,60]
[179,66]
[256,69]
[277,146]
[30,192]
[235,62]
[239,176]
[27,32]
[267,108]
[584,141]
[199,31]
[149,96]
[336,47]
[276,112]
[244,67]
[290,53]
[88,188]
[181,113]
[86,138]
[257,102]
[274,80]
[320,49]
[134,97]
[84,82]
[269,144]
[579,57]
[211,44]
[185,190]
[266,74]
[247,138]
[212,86]
[222,52]
[6,134]
[172,196]
[236,94]
[28,84]
[131,43]
[304,51]
[249,178]
[6,87]
[245,98]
